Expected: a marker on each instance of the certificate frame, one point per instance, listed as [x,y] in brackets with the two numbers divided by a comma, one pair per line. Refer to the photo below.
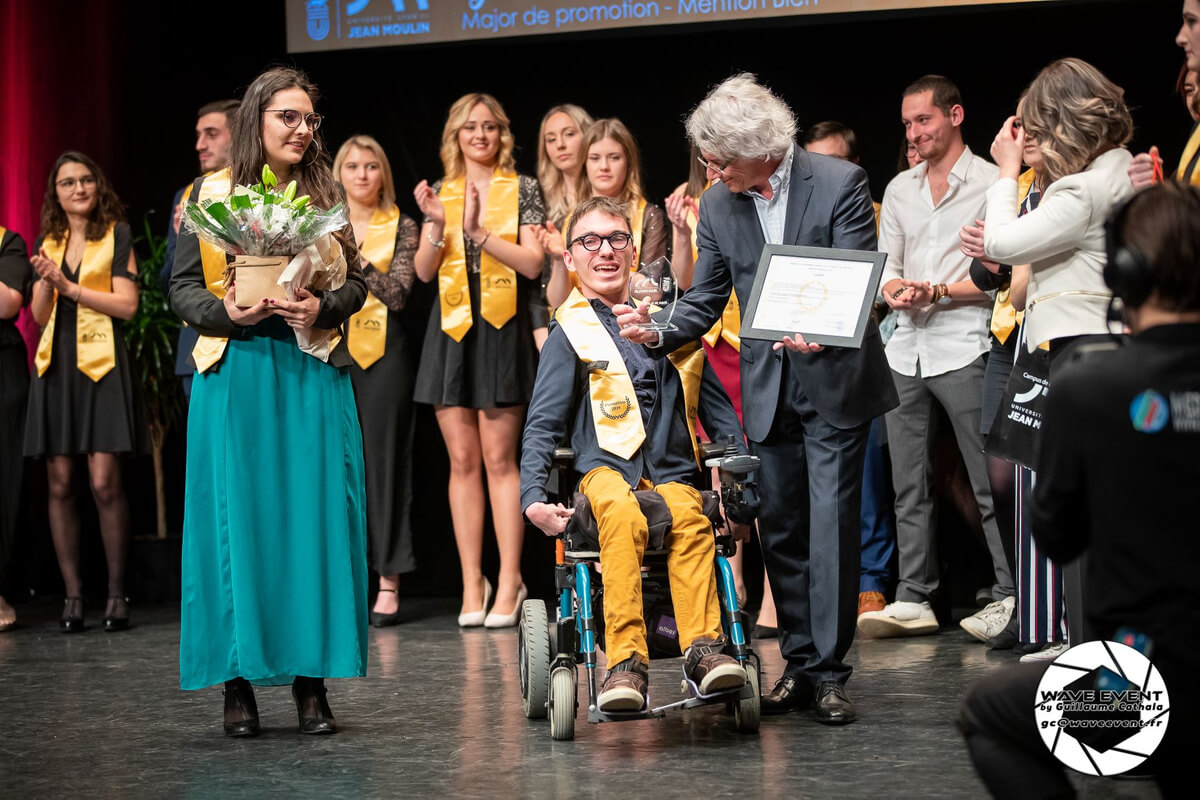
[777,256]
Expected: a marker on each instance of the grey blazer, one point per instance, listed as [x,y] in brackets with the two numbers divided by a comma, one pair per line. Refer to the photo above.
[829,205]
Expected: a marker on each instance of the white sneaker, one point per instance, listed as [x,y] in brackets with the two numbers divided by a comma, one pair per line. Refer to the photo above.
[898,619]
[990,620]
[1047,653]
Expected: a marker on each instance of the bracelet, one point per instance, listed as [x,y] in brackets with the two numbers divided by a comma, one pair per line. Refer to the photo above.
[486,236]
[896,294]
[439,243]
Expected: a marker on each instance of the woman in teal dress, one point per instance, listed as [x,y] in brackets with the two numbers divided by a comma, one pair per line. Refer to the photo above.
[274,532]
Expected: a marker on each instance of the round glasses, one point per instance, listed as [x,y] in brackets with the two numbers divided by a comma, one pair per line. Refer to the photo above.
[593,241]
[291,117]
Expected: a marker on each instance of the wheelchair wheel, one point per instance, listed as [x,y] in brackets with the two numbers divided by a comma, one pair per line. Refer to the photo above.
[562,704]
[748,712]
[533,657]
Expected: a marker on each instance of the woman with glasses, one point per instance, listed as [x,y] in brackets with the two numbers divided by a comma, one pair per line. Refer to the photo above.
[560,166]
[382,371]
[82,399]
[274,529]
[479,360]
[16,279]
[613,168]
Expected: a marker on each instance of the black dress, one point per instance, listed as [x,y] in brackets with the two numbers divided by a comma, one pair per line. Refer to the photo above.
[384,395]
[16,274]
[71,414]
[489,368]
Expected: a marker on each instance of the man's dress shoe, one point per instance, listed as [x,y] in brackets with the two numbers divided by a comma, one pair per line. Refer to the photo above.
[832,705]
[791,693]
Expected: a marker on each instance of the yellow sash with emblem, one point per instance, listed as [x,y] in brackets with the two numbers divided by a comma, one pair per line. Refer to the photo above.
[1189,152]
[1005,318]
[209,349]
[368,328]
[95,350]
[497,283]
[615,412]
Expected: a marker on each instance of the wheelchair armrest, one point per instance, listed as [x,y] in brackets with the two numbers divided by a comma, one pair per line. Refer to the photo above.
[563,458]
[711,450]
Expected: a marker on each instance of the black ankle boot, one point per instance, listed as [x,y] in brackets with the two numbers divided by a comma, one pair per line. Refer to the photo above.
[312,707]
[241,710]
[114,622]
[72,615]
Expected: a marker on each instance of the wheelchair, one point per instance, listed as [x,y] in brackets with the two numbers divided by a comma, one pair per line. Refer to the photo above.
[549,669]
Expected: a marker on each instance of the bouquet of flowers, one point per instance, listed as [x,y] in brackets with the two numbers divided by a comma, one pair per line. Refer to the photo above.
[281,244]
[259,220]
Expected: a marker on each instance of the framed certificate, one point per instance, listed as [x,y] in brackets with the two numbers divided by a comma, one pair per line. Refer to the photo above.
[824,294]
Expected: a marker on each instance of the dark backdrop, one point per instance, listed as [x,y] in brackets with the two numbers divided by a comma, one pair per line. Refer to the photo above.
[122,81]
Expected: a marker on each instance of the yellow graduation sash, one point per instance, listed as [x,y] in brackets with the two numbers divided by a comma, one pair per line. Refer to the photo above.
[1005,318]
[95,350]
[615,412]
[209,349]
[497,283]
[729,326]
[368,328]
[1189,151]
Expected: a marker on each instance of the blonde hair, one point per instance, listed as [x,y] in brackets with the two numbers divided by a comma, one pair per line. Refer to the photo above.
[453,162]
[612,128]
[387,192]
[552,179]
[1076,114]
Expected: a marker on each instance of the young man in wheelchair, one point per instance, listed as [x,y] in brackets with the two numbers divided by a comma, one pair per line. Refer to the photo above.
[631,422]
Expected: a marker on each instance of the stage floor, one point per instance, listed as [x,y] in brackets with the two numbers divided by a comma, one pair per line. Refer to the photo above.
[101,715]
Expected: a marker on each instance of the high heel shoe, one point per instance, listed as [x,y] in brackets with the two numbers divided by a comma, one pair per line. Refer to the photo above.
[311,706]
[384,620]
[495,620]
[473,619]
[241,709]
[113,623]
[72,616]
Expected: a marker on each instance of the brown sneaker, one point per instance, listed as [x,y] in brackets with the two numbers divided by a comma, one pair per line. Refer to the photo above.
[625,686]
[707,665]
[870,601]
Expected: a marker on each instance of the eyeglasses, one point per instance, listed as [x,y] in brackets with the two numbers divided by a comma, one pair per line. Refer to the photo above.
[592,241]
[291,117]
[69,183]
[720,170]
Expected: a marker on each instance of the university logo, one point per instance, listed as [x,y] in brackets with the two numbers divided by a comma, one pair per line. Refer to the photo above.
[357,6]
[454,297]
[318,19]
[370,324]
[616,409]
[98,336]
[1149,412]
[1102,708]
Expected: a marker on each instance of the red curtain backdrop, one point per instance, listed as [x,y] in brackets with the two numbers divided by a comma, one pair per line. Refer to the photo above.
[55,91]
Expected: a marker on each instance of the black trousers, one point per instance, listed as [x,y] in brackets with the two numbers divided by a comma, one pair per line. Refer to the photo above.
[809,525]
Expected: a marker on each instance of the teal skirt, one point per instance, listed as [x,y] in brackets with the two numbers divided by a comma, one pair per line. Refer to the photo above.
[274,529]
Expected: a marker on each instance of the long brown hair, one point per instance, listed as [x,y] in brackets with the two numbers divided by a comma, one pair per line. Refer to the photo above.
[313,174]
[108,206]
[612,128]
[453,161]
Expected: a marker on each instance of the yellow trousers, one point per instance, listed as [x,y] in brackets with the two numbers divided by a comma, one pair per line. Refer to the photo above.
[623,537]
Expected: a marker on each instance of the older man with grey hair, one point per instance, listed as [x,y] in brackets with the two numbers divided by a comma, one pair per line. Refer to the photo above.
[806,408]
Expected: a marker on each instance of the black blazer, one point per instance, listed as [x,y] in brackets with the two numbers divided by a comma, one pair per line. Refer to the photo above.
[191,300]
[829,205]
[559,408]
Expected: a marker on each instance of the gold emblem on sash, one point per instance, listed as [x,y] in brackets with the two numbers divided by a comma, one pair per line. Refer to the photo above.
[497,283]
[209,349]
[95,348]
[368,328]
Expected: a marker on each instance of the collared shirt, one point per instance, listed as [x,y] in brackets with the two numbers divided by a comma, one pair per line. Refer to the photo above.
[922,244]
[638,362]
[773,212]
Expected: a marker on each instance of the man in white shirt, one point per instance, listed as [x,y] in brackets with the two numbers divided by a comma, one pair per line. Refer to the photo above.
[936,354]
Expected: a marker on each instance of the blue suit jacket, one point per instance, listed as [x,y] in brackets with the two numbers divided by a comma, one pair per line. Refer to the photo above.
[559,409]
[829,205]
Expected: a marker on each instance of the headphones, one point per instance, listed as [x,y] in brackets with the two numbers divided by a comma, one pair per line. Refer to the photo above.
[1127,272]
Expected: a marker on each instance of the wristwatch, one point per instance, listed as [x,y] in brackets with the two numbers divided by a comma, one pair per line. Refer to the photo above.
[941,294]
